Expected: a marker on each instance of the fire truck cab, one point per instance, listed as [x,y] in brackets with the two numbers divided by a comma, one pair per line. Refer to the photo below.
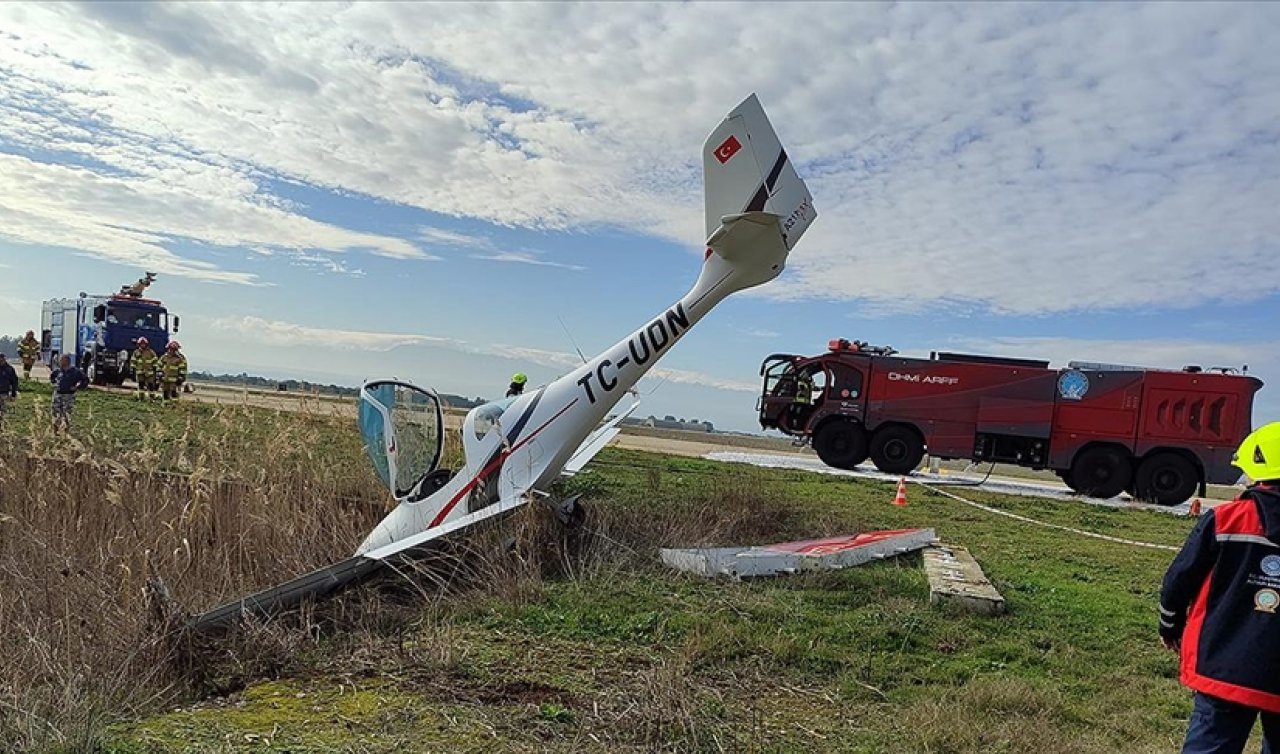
[1104,429]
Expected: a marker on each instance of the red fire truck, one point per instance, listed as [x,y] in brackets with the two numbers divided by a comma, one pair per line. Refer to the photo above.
[1104,429]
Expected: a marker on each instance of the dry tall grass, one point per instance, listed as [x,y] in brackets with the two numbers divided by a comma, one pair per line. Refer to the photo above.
[195,503]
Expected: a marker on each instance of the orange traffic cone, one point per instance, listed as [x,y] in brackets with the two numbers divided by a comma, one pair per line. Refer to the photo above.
[901,497]
[1195,508]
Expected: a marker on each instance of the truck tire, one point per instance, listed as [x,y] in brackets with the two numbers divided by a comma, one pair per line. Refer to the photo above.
[896,449]
[1101,471]
[841,444]
[1166,479]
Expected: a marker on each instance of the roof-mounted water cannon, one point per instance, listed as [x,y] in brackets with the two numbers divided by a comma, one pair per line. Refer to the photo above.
[859,346]
[135,290]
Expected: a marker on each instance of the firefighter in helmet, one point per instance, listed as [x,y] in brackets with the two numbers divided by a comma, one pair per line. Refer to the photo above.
[145,363]
[173,370]
[29,351]
[800,403]
[517,384]
[1220,608]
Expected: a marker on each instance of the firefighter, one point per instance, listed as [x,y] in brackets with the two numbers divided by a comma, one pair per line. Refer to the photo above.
[145,363]
[29,351]
[8,386]
[173,370]
[803,397]
[517,384]
[1220,608]
[67,381]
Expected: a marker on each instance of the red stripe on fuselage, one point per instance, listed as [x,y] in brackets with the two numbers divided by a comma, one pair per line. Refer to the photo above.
[495,463]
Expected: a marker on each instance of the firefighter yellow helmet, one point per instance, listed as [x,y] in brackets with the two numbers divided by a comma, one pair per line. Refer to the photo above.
[519,378]
[1259,454]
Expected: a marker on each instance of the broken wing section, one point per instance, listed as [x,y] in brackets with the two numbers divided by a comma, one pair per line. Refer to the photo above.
[596,441]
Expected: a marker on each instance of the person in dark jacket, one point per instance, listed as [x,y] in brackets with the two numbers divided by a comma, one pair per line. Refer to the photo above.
[1219,608]
[67,381]
[517,384]
[8,386]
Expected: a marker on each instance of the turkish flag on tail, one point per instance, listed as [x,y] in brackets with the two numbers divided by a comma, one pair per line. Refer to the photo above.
[728,149]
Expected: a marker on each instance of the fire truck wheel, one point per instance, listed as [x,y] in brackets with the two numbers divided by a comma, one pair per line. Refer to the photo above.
[1101,472]
[841,444]
[896,449]
[1166,479]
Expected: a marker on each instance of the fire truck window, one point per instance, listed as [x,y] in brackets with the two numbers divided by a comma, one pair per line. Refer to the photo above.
[849,383]
[142,318]
[778,381]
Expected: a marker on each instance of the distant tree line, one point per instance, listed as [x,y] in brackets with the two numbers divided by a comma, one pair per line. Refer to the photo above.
[9,346]
[266,383]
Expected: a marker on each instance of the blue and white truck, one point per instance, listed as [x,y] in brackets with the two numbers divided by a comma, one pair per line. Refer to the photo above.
[100,332]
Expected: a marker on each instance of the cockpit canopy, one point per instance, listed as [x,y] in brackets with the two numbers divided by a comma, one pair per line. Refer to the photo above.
[403,430]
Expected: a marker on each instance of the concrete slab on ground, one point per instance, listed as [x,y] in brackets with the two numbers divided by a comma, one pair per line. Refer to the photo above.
[956,578]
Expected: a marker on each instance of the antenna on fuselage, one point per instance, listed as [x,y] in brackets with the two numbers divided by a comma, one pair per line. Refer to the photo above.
[568,334]
[632,390]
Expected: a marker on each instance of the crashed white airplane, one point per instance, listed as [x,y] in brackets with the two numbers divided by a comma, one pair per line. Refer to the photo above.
[757,208]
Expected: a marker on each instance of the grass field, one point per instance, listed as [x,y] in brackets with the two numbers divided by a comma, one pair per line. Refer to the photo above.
[565,643]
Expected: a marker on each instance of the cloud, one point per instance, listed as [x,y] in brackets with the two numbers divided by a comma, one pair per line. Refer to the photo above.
[131,220]
[444,237]
[278,333]
[525,257]
[289,334]
[1022,159]
[322,262]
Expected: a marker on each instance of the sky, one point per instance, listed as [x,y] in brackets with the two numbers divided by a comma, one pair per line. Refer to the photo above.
[452,193]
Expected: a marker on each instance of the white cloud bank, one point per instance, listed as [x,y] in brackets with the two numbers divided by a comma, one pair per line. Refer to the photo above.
[1020,158]
[289,334]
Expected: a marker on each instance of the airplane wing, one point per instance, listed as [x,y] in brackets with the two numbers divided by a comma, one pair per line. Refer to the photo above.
[596,441]
[344,574]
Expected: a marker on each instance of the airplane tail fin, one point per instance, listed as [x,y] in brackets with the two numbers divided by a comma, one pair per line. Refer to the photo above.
[757,207]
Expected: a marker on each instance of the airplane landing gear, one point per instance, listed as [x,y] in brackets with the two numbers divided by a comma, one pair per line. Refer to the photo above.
[570,512]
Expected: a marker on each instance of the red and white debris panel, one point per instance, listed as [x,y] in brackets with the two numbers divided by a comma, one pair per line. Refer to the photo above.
[827,554]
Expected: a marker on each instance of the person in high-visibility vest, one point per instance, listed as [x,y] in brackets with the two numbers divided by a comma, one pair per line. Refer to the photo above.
[801,401]
[173,370]
[28,351]
[1220,608]
[145,365]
